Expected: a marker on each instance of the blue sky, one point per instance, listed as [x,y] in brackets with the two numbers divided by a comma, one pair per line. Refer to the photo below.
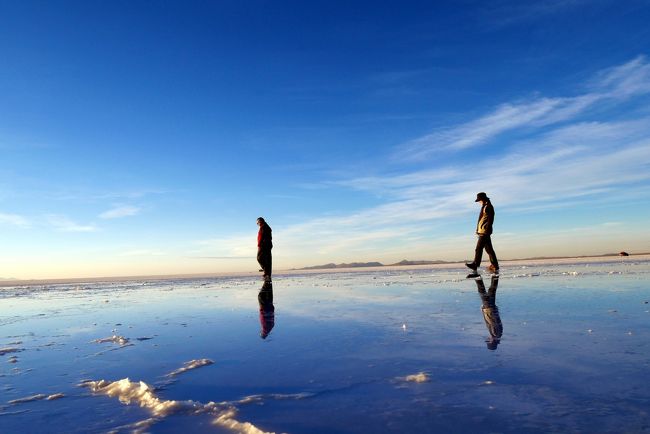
[146,137]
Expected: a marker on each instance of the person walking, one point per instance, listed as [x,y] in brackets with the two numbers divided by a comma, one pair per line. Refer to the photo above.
[484,232]
[264,246]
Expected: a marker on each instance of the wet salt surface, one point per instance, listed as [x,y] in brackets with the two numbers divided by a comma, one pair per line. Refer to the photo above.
[557,348]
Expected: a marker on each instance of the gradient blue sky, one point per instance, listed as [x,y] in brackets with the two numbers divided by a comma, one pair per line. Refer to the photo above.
[145,137]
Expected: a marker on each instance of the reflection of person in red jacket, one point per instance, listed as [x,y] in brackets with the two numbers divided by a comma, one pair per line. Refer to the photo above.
[267,310]
[264,246]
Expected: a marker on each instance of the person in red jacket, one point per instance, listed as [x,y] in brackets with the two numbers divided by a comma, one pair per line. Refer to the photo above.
[267,310]
[264,246]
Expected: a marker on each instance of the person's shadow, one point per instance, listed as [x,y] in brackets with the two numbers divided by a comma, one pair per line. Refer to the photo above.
[490,311]
[267,310]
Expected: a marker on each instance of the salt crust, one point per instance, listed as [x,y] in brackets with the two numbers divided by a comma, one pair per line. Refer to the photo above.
[115,339]
[37,397]
[27,399]
[192,364]
[141,393]
[420,377]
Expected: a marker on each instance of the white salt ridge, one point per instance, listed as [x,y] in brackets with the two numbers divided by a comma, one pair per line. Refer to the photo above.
[13,413]
[420,377]
[192,364]
[121,340]
[27,399]
[277,396]
[8,350]
[140,427]
[37,397]
[142,394]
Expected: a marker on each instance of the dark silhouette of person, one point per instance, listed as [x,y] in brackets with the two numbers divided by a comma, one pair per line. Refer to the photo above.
[267,310]
[490,311]
[264,246]
[484,232]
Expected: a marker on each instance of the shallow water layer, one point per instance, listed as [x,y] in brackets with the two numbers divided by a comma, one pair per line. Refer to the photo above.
[553,348]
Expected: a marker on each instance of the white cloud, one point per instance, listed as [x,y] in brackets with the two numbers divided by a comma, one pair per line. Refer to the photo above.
[14,220]
[142,252]
[623,81]
[613,84]
[64,224]
[237,246]
[119,212]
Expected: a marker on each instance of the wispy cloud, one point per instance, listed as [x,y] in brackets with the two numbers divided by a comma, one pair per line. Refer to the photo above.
[14,220]
[569,161]
[64,224]
[237,246]
[614,84]
[99,196]
[500,14]
[119,212]
[142,252]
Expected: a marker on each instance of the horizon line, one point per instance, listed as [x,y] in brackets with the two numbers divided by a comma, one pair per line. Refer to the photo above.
[10,282]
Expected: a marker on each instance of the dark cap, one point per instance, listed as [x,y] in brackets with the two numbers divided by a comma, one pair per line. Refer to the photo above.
[481,196]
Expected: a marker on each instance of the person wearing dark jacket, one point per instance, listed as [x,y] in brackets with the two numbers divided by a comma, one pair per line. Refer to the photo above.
[264,246]
[491,311]
[484,231]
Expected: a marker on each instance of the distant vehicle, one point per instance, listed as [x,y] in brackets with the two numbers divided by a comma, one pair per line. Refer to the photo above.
[623,254]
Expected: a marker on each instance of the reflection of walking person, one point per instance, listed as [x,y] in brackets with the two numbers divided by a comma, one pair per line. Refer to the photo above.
[267,310]
[484,231]
[264,246]
[491,311]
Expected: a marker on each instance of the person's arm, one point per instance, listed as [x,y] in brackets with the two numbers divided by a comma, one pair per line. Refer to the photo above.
[489,212]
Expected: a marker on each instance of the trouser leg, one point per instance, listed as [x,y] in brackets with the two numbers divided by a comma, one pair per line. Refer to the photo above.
[265,261]
[490,251]
[478,253]
[260,258]
[269,264]
[480,285]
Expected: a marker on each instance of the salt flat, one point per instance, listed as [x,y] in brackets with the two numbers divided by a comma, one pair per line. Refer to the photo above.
[547,347]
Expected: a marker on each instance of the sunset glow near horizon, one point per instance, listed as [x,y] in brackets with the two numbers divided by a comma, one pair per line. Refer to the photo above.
[143,138]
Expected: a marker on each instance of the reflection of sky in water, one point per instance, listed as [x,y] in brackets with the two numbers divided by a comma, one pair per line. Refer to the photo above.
[573,355]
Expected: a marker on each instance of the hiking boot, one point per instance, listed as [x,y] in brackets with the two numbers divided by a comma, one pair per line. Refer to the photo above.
[493,269]
[471,266]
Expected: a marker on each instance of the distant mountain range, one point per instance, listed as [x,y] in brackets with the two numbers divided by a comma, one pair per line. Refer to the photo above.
[371,264]
[408,262]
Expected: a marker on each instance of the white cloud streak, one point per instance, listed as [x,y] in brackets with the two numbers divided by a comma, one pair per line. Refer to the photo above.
[119,212]
[64,224]
[613,84]
[142,252]
[14,220]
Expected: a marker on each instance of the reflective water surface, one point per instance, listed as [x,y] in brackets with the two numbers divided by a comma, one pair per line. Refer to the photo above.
[554,348]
